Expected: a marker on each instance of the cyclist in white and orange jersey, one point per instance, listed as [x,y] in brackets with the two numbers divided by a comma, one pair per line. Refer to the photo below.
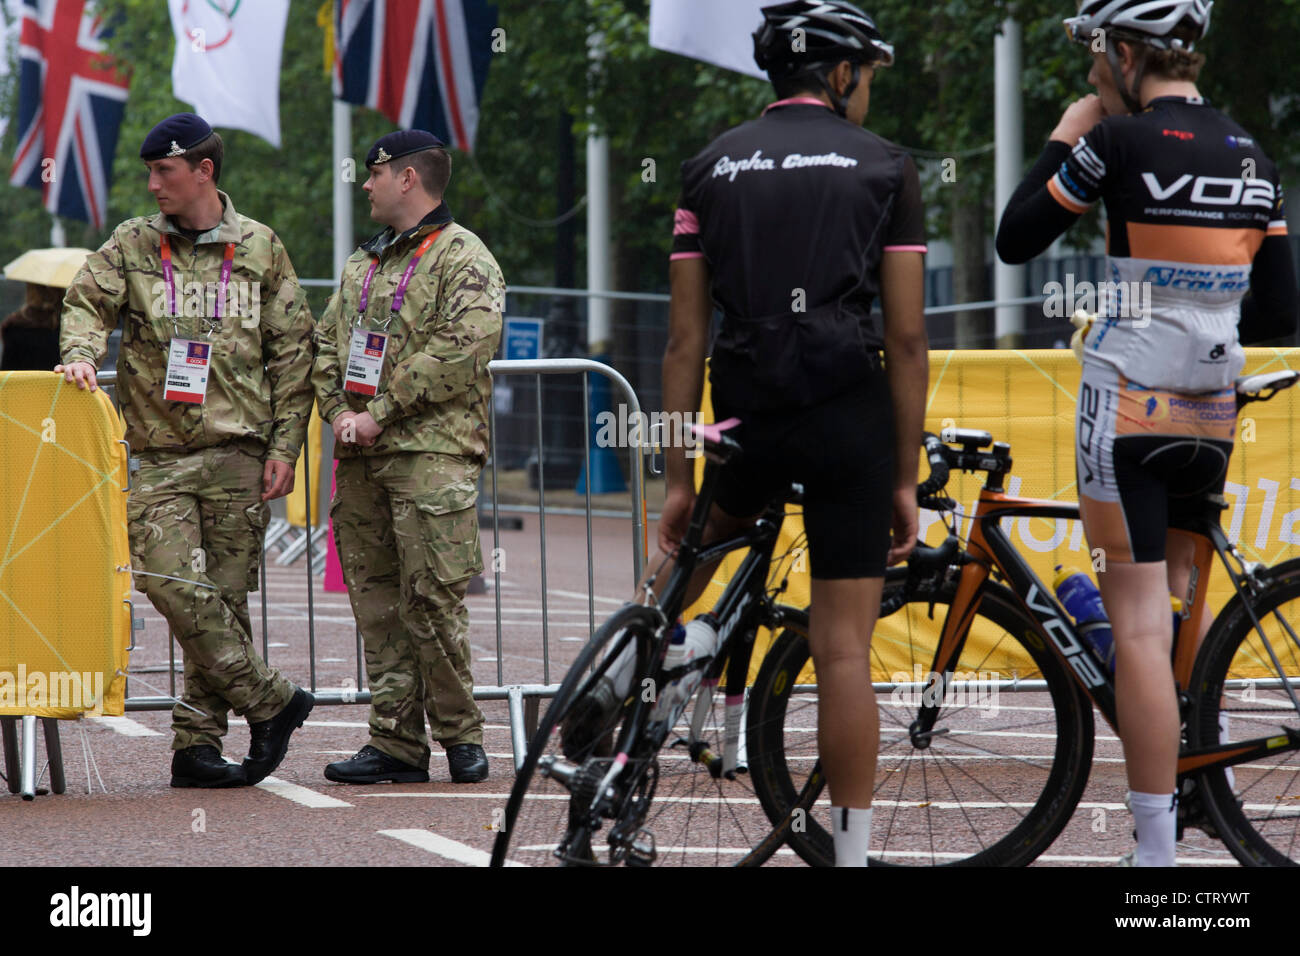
[1199,263]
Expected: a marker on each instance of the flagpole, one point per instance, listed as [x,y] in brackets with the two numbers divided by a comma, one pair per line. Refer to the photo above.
[598,272]
[344,177]
[1009,127]
[58,238]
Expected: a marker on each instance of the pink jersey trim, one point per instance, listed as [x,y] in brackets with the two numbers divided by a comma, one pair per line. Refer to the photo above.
[685,223]
[812,100]
[906,248]
[686,255]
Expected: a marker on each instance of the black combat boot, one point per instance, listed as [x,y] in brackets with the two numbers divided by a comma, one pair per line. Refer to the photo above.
[468,762]
[202,767]
[372,765]
[270,738]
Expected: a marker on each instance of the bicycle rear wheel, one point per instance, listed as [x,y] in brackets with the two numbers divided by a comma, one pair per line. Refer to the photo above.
[1000,776]
[1239,674]
[679,813]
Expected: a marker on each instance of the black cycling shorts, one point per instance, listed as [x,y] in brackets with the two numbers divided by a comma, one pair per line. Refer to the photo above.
[1146,458]
[842,452]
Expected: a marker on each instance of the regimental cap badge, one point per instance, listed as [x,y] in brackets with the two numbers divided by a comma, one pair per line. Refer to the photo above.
[401,143]
[176,149]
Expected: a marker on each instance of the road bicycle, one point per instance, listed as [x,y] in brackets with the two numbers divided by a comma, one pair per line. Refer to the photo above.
[610,777]
[966,776]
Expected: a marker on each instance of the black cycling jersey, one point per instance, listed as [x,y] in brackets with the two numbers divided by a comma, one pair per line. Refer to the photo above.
[793,212]
[1195,220]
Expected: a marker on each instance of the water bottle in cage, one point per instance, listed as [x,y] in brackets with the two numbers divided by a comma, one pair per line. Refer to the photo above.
[698,639]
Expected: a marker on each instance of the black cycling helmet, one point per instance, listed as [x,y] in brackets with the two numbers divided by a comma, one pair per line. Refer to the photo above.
[813,36]
[1147,23]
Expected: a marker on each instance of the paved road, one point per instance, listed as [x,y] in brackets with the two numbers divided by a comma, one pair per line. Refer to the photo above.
[299,818]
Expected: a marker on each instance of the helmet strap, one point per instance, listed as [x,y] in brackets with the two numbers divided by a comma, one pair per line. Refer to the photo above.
[1132,97]
[840,103]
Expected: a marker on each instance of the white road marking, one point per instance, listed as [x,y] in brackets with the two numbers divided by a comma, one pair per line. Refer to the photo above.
[125,726]
[441,846]
[582,597]
[291,791]
[356,723]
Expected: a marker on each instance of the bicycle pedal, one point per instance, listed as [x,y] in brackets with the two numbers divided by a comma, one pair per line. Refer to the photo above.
[641,851]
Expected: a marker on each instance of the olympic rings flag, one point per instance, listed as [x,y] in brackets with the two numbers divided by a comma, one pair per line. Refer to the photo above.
[227,61]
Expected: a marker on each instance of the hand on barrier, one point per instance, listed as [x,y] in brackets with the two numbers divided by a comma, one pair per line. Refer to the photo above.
[277,479]
[83,373]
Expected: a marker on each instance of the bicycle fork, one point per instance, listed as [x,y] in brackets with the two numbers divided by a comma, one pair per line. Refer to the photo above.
[953,639]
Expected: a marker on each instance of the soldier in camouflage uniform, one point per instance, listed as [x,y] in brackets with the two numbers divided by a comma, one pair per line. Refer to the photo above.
[197,508]
[411,424]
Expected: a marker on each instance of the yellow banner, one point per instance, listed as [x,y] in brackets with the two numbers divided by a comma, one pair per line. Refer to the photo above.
[296,501]
[65,623]
[1027,399]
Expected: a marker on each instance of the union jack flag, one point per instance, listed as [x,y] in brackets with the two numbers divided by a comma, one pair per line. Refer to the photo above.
[422,63]
[70,106]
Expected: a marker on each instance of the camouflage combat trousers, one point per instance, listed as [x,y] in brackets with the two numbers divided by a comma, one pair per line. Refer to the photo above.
[199,516]
[407,537]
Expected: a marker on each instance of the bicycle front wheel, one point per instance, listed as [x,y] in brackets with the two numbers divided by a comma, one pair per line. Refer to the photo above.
[995,782]
[1241,678]
[671,808]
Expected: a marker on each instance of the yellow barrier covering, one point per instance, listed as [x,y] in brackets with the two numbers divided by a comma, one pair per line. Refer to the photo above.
[296,501]
[64,623]
[1027,399]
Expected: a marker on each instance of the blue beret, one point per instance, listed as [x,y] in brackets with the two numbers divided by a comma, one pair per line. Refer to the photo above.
[174,135]
[401,143]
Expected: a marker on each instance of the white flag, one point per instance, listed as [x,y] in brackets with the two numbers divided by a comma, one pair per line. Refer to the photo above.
[720,32]
[227,61]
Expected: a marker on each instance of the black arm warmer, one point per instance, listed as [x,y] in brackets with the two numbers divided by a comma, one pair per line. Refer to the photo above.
[1033,220]
[1269,310]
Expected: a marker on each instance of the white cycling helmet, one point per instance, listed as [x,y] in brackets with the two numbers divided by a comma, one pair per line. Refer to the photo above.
[1146,21]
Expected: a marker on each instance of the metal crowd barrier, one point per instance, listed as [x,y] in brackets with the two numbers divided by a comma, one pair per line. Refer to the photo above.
[523,699]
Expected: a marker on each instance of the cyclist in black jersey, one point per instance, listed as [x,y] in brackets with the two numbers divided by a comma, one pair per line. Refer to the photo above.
[792,225]
[1197,249]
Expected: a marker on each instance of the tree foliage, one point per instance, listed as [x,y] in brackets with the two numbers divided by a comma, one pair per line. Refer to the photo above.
[656,108]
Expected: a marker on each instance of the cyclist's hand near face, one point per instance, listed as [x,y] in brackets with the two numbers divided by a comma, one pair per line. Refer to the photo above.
[905,524]
[675,518]
[1078,119]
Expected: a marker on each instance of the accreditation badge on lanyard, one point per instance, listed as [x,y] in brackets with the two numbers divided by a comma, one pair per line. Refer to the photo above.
[190,360]
[366,353]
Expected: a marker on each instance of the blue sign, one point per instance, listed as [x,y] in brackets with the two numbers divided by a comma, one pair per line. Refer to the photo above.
[523,339]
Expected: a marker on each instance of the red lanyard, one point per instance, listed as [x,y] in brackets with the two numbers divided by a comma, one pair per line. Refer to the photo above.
[169,279]
[400,295]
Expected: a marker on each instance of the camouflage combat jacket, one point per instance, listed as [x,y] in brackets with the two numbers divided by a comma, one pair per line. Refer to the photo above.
[259,380]
[434,387]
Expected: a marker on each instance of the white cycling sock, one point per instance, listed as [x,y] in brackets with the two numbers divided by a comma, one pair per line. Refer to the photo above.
[1156,822]
[851,830]
[1223,739]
